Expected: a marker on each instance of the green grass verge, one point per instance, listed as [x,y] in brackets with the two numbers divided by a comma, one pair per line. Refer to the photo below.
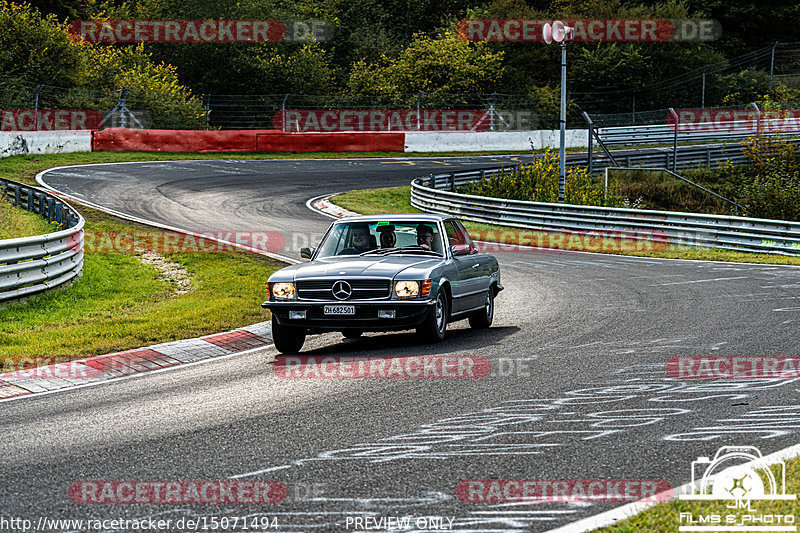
[398,200]
[666,516]
[120,303]
[16,222]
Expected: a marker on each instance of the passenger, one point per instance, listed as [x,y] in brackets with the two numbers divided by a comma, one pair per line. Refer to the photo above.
[425,236]
[388,239]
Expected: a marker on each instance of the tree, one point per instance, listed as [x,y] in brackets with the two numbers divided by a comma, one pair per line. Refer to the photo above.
[37,49]
[445,64]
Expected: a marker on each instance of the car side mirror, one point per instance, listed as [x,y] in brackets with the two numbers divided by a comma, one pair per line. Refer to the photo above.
[306,252]
[460,249]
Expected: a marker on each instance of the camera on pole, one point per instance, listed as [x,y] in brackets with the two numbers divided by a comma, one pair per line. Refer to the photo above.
[560,33]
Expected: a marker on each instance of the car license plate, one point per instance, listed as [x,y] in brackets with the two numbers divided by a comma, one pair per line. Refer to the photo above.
[339,310]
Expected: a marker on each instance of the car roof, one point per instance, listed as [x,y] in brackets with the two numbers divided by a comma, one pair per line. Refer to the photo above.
[395,217]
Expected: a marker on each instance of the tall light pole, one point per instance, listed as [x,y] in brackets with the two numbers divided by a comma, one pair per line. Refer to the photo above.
[559,33]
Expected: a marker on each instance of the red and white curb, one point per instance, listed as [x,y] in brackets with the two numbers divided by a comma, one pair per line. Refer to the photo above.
[102,368]
[324,206]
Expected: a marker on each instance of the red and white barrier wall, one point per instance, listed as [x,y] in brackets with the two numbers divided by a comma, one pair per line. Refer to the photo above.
[44,142]
[192,141]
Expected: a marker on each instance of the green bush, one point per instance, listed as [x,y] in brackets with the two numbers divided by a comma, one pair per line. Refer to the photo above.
[539,182]
[770,184]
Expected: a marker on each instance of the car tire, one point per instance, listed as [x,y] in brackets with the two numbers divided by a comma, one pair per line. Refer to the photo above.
[288,339]
[483,319]
[352,333]
[435,325]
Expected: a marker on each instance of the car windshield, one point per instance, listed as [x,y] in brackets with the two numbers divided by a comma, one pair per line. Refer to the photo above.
[383,238]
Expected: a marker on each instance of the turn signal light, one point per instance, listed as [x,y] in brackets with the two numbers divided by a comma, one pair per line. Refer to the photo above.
[426,288]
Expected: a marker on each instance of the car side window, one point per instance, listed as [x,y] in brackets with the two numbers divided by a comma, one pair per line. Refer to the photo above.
[453,235]
[464,234]
[456,234]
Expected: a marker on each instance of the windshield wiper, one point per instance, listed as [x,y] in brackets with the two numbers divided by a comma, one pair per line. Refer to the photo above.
[378,251]
[412,250]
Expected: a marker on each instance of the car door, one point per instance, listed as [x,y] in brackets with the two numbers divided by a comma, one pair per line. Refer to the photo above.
[469,280]
[485,267]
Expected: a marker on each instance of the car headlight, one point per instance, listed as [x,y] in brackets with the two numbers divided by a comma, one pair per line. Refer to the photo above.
[283,291]
[406,289]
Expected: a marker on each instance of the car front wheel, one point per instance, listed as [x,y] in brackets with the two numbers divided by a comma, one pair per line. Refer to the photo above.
[435,325]
[288,339]
[483,319]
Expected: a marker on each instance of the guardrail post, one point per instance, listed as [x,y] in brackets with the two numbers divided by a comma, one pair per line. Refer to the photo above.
[59,212]
[453,181]
[17,195]
[708,157]
[675,140]
[432,182]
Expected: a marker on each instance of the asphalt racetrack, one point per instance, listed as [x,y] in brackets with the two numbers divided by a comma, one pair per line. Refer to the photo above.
[578,389]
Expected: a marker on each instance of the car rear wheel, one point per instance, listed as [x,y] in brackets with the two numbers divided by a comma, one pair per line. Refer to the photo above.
[435,325]
[483,319]
[352,333]
[288,339]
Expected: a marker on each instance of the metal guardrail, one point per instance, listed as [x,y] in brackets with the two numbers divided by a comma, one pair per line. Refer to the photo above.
[663,133]
[29,265]
[719,231]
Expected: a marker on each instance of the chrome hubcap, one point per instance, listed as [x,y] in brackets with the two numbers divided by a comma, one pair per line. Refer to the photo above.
[439,313]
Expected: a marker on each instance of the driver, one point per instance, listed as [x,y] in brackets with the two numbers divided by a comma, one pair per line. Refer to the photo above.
[425,236]
[360,238]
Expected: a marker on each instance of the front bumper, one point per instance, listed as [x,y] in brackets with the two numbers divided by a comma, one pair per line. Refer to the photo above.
[408,314]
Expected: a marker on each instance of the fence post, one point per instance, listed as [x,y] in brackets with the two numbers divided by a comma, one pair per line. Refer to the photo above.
[123,107]
[675,140]
[36,109]
[703,97]
[772,64]
[758,118]
[283,113]
[208,109]
[591,140]
[491,111]
[419,118]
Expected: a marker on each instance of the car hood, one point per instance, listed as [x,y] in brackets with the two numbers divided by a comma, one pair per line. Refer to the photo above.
[379,267]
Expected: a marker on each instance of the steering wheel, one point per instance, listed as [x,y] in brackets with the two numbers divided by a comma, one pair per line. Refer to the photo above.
[348,251]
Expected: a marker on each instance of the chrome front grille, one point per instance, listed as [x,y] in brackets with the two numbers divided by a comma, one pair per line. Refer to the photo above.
[362,289]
